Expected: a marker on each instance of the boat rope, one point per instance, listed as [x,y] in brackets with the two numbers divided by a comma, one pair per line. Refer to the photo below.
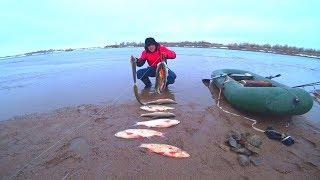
[254,122]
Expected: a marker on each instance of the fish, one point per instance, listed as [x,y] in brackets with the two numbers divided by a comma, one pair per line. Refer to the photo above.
[154,108]
[155,115]
[161,77]
[166,150]
[138,133]
[134,74]
[158,123]
[161,101]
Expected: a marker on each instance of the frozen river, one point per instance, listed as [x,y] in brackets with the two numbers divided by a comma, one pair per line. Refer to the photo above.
[45,82]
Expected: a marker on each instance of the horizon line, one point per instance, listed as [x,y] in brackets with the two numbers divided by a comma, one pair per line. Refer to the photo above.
[116,43]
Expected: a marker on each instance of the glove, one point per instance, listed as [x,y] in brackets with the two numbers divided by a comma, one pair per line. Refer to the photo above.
[134,59]
[285,139]
[163,56]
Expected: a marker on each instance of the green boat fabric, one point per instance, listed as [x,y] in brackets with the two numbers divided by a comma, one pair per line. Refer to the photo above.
[277,100]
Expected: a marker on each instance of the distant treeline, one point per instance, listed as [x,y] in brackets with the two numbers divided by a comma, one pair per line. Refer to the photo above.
[46,51]
[40,52]
[279,49]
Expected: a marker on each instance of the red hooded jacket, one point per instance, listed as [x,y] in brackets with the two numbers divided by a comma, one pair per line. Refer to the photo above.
[153,58]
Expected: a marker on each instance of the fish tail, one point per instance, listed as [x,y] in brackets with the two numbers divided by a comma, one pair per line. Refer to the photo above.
[136,94]
[145,115]
[135,124]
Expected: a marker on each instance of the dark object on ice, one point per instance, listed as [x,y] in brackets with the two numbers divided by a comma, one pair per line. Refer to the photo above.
[243,160]
[236,135]
[288,141]
[271,77]
[255,161]
[232,142]
[272,134]
[243,151]
[252,148]
[255,140]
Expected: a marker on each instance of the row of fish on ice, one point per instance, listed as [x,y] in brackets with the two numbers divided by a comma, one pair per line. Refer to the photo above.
[160,118]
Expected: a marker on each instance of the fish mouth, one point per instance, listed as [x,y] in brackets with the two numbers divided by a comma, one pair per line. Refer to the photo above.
[117,135]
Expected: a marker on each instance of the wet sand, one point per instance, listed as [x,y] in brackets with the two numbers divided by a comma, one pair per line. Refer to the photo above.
[79,143]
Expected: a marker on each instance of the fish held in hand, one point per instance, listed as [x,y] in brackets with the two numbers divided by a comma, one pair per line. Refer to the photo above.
[159,123]
[161,101]
[166,150]
[154,108]
[155,115]
[161,77]
[138,133]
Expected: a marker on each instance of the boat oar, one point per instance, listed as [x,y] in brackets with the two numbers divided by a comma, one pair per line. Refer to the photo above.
[271,77]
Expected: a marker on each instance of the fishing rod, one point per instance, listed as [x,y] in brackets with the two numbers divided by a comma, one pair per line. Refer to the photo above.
[309,84]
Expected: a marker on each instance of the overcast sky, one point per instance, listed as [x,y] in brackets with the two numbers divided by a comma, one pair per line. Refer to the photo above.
[30,25]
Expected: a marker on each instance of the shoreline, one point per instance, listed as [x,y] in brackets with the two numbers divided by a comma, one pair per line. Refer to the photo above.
[92,151]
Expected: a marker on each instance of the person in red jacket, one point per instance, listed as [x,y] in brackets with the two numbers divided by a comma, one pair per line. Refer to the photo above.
[153,54]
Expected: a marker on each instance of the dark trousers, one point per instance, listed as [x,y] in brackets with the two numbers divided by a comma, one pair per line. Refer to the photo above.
[145,73]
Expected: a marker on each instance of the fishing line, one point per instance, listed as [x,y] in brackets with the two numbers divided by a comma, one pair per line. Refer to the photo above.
[309,84]
[70,131]
[25,131]
[66,133]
